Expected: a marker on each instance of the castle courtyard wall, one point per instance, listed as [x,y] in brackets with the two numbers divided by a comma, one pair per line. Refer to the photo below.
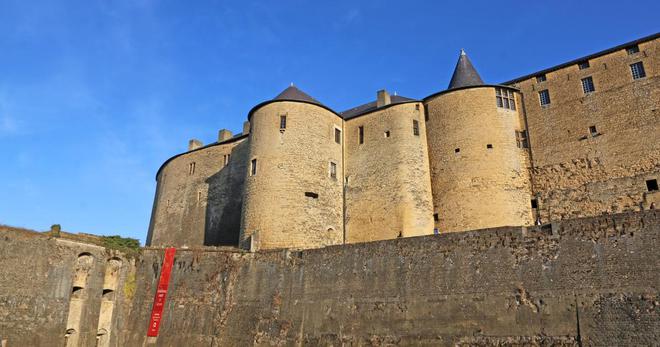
[577,173]
[388,189]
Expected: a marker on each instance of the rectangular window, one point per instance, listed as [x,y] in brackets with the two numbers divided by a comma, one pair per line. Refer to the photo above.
[535,203]
[544,97]
[386,133]
[253,167]
[415,127]
[593,131]
[489,146]
[311,195]
[541,78]
[191,168]
[521,139]
[226,159]
[426,114]
[637,70]
[436,217]
[333,170]
[632,49]
[337,135]
[282,122]
[588,85]
[505,98]
[583,65]
[361,134]
[652,185]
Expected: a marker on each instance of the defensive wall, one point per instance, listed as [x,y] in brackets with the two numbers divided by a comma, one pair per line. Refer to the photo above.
[61,292]
[591,281]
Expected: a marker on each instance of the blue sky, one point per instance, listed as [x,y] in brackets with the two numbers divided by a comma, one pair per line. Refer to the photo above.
[96,94]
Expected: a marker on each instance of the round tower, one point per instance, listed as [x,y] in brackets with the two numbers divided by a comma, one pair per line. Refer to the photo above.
[477,153]
[293,189]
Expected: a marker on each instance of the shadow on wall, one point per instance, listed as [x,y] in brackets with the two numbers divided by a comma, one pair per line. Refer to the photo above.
[225,200]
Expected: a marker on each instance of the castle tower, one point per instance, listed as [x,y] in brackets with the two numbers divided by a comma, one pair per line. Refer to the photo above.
[388,187]
[293,188]
[479,166]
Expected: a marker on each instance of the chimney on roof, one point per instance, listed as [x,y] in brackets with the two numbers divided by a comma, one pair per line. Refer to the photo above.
[223,135]
[383,98]
[194,144]
[246,127]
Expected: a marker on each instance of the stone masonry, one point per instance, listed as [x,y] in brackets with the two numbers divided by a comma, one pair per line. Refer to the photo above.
[472,156]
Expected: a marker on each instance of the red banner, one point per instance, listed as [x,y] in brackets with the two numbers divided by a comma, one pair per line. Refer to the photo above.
[161,292]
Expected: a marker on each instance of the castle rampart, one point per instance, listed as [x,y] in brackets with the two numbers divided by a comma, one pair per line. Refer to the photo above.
[591,281]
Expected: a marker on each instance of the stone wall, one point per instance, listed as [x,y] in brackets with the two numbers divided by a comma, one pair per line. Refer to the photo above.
[475,186]
[578,173]
[388,189]
[591,281]
[292,200]
[199,196]
[58,292]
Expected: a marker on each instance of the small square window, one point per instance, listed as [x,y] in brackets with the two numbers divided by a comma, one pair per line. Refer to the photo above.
[632,49]
[583,65]
[386,133]
[637,70]
[337,135]
[535,203]
[544,97]
[457,150]
[588,85]
[652,185]
[593,131]
[489,146]
[541,78]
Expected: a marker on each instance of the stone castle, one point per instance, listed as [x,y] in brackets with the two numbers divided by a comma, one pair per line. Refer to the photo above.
[576,140]
[573,148]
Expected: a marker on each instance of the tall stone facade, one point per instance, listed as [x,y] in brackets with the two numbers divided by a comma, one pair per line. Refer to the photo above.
[579,139]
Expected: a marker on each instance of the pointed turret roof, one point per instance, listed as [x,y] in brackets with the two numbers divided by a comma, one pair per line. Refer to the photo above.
[293,93]
[464,74]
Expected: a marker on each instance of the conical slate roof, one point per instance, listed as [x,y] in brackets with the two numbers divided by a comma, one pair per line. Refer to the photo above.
[293,93]
[464,74]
